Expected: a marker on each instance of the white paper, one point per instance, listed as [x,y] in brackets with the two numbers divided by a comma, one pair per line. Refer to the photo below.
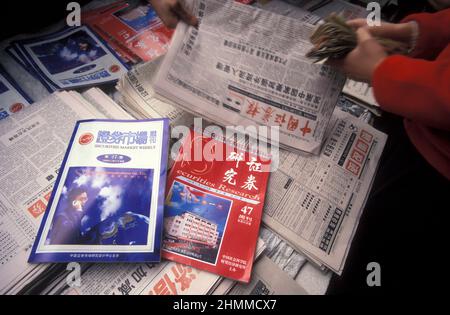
[245,66]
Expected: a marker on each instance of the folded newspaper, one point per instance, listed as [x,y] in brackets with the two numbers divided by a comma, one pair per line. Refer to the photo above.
[32,145]
[268,279]
[246,66]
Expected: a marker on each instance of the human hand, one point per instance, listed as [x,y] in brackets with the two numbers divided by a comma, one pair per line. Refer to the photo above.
[362,61]
[401,32]
[172,11]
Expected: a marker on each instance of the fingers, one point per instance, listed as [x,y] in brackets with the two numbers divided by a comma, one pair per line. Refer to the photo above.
[184,15]
[172,11]
[357,23]
[387,30]
[165,14]
[169,20]
[363,34]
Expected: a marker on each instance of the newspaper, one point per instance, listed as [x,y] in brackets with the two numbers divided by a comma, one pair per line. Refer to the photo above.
[144,279]
[315,202]
[360,91]
[32,145]
[246,66]
[136,88]
[105,105]
[316,9]
[268,279]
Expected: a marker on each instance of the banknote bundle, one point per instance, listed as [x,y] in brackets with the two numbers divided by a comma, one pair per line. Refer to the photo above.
[335,39]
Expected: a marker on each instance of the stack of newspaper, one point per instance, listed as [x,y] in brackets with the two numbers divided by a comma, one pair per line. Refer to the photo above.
[314,201]
[33,144]
[247,66]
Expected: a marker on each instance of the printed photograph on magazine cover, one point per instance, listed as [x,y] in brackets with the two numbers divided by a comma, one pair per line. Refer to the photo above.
[69,52]
[103,206]
[194,222]
[139,17]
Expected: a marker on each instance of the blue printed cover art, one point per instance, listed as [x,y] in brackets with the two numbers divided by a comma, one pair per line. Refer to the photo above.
[103,206]
[73,51]
[3,88]
[139,16]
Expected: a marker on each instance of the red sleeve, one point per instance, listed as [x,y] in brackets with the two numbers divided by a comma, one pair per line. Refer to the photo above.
[415,88]
[434,33]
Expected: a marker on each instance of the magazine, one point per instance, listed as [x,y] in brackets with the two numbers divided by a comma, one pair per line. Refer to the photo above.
[107,204]
[135,31]
[72,58]
[214,207]
[12,98]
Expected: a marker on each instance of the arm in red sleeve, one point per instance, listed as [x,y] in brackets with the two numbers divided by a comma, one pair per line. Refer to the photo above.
[415,88]
[434,33]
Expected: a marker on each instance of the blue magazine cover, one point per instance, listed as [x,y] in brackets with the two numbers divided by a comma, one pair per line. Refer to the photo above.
[107,202]
[72,58]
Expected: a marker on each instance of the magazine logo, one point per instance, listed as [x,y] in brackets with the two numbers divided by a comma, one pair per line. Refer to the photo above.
[127,138]
[16,108]
[85,69]
[114,158]
[86,138]
[114,68]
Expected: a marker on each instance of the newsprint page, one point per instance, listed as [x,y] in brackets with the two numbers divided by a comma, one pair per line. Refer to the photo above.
[246,66]
[315,202]
[32,143]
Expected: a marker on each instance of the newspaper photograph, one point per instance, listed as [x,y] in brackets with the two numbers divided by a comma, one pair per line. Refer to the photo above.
[246,66]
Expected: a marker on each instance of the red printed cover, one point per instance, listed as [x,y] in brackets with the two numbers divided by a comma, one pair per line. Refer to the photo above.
[133,31]
[214,207]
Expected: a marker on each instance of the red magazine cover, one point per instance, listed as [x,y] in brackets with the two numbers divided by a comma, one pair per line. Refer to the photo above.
[134,31]
[214,206]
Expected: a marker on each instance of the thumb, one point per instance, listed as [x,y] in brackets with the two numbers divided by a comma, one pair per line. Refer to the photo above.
[363,34]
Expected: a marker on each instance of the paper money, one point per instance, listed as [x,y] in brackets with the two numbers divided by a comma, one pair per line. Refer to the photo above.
[335,39]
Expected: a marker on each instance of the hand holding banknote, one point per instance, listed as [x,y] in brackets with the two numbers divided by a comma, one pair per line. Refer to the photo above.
[402,32]
[173,11]
[362,61]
